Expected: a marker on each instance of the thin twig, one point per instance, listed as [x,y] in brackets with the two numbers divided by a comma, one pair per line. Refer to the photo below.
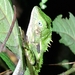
[7,72]
[67,63]
[69,71]
[10,30]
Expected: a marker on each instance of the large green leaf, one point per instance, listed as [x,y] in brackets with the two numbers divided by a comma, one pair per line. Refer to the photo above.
[14,42]
[6,16]
[66,29]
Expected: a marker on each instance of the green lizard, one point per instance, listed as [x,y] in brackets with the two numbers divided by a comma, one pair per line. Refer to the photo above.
[38,38]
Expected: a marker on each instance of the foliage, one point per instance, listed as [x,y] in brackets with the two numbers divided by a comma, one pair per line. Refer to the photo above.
[42,4]
[33,48]
[14,44]
[66,29]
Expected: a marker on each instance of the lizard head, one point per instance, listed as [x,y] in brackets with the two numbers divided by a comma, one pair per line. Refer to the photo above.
[39,30]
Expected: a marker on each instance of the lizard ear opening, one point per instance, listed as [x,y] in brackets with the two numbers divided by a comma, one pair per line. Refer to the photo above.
[38,48]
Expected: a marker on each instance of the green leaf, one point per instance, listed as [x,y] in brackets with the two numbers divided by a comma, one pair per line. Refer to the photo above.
[14,42]
[6,16]
[66,29]
[65,64]
[27,72]
[42,4]
[7,60]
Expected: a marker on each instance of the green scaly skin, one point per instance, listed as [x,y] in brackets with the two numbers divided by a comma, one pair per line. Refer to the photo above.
[38,37]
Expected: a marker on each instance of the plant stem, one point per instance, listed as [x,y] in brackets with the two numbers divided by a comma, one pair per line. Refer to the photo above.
[10,30]
[68,72]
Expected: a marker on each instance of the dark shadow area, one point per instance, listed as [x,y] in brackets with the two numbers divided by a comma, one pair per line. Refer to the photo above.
[3,65]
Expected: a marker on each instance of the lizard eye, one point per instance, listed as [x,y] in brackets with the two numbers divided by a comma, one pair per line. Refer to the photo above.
[40,23]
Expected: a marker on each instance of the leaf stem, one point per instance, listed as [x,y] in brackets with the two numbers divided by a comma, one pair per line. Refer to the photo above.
[10,30]
[68,72]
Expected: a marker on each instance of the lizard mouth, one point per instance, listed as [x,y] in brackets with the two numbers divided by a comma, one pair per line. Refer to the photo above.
[37,31]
